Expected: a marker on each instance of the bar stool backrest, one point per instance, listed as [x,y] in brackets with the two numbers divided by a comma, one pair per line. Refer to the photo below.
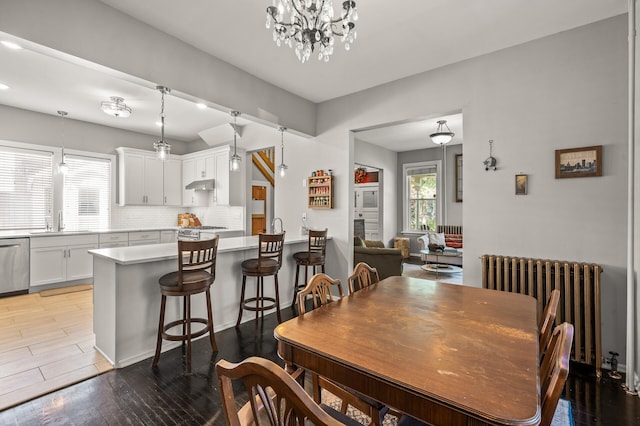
[318,242]
[196,256]
[270,248]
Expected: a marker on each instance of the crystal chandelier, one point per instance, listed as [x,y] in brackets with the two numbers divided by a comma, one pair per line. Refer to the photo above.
[282,167]
[235,158]
[162,147]
[116,107]
[311,24]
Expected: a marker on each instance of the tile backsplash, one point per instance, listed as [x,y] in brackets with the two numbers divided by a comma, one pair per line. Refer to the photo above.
[128,217]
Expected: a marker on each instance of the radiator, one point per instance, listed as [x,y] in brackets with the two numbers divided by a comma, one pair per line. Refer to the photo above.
[579,285]
[449,229]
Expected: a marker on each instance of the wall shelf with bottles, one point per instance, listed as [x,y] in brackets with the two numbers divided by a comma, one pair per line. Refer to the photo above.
[320,192]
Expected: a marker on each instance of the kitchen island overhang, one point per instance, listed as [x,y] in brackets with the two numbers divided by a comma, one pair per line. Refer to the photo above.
[126,296]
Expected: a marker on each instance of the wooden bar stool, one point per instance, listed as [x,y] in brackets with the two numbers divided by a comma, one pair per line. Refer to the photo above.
[196,272]
[313,257]
[268,263]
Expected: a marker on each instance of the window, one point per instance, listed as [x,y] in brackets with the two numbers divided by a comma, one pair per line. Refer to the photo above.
[421,201]
[87,193]
[26,188]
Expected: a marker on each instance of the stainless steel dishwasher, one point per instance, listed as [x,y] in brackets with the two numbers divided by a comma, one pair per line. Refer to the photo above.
[14,266]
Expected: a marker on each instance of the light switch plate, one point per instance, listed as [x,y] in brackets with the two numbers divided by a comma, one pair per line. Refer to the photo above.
[304,183]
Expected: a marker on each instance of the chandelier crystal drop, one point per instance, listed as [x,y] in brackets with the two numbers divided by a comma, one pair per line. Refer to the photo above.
[235,159]
[307,25]
[116,107]
[441,136]
[282,167]
[162,147]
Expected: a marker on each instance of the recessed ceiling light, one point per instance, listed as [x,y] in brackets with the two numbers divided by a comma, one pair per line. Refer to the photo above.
[3,86]
[11,45]
[200,105]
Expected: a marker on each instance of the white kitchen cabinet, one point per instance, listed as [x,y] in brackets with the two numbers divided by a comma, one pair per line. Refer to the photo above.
[141,178]
[141,238]
[229,184]
[115,239]
[167,237]
[191,197]
[205,168]
[172,179]
[61,258]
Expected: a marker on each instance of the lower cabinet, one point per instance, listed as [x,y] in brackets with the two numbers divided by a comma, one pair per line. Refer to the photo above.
[58,259]
[143,238]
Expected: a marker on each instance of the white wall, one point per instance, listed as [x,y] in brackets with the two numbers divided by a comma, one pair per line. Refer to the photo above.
[567,90]
[385,160]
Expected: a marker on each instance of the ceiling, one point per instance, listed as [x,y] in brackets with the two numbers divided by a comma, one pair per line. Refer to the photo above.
[392,43]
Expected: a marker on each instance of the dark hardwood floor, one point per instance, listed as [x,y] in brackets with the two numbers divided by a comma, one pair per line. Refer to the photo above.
[139,395]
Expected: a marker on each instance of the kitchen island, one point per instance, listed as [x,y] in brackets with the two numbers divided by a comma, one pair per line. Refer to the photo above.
[126,296]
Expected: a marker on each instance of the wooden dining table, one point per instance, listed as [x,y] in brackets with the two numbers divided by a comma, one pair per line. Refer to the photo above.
[444,354]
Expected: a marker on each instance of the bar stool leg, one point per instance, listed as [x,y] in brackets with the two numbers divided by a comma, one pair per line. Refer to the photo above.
[188,324]
[258,285]
[244,283]
[212,336]
[156,357]
[184,319]
[275,277]
[295,284]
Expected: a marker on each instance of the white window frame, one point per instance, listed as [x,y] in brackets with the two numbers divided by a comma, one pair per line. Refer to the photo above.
[406,167]
[58,190]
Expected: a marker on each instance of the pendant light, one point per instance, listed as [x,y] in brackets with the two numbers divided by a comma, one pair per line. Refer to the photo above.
[282,167]
[63,167]
[162,147]
[440,136]
[235,158]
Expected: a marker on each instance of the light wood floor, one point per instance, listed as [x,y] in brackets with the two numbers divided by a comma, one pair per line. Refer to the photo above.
[46,343]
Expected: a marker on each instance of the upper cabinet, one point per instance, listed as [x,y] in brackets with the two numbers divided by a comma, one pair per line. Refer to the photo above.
[213,164]
[143,179]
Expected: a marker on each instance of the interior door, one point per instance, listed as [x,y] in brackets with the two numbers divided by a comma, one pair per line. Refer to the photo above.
[367,207]
[258,209]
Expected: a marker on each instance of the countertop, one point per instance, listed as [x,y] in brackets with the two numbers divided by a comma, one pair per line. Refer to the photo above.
[151,253]
[25,233]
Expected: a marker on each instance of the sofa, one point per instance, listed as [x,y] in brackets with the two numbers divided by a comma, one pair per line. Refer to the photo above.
[388,261]
[451,236]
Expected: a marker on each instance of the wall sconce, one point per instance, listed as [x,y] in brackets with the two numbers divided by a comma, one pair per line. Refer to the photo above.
[490,162]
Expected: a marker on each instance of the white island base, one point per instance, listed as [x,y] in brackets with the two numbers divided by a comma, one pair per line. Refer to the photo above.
[126,295]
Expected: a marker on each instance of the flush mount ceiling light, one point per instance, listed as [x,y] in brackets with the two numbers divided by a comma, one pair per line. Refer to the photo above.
[440,136]
[309,24]
[3,86]
[63,167]
[116,107]
[282,167]
[235,158]
[162,147]
[11,45]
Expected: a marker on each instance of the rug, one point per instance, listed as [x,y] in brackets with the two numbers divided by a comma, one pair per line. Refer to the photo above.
[65,290]
[562,416]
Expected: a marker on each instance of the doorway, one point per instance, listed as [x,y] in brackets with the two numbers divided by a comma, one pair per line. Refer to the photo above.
[367,202]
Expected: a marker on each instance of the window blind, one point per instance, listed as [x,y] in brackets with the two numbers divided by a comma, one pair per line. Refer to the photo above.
[87,193]
[26,188]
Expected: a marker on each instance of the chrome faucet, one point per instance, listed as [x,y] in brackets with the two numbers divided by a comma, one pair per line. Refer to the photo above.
[273,224]
[60,224]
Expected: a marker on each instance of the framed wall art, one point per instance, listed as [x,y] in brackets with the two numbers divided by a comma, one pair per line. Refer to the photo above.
[521,184]
[579,162]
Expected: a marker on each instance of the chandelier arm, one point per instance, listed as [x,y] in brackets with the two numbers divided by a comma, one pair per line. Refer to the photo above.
[293,4]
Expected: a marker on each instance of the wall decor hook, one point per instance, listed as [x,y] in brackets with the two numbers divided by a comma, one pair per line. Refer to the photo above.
[490,162]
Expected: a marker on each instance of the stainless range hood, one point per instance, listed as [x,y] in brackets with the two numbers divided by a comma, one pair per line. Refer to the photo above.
[202,185]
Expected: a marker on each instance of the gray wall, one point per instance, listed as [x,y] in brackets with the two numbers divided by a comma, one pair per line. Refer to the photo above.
[566,90]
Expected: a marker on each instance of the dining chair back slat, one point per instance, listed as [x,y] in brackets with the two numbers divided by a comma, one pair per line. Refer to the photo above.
[554,370]
[363,276]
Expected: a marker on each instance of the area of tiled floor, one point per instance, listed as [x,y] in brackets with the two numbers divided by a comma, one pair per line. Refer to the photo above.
[46,343]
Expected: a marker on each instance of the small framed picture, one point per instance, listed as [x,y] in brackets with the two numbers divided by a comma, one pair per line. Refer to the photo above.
[579,162]
[521,184]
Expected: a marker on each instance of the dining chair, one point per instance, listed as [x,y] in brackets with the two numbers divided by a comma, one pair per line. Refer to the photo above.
[314,257]
[267,263]
[548,318]
[554,370]
[319,289]
[196,273]
[363,276]
[275,397]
